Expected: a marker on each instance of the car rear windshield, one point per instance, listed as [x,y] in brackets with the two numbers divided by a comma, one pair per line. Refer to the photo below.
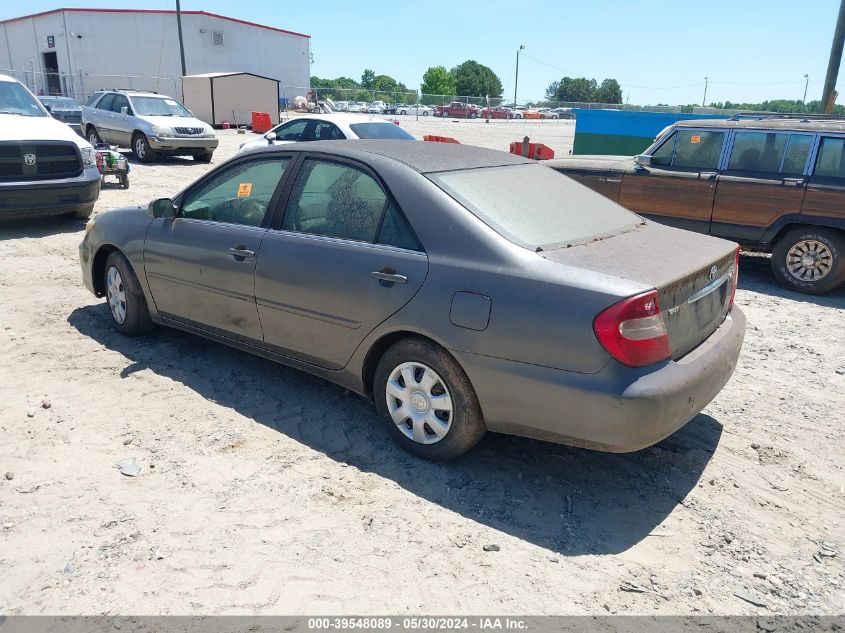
[380,130]
[535,206]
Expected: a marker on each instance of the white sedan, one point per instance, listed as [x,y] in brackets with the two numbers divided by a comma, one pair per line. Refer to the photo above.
[417,108]
[328,127]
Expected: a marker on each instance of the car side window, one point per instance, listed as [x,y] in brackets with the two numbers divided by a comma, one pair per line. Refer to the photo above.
[326,131]
[395,231]
[106,102]
[119,102]
[769,152]
[294,131]
[335,200]
[698,149]
[240,194]
[831,159]
[663,156]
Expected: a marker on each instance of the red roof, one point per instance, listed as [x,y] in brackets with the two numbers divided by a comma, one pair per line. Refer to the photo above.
[205,13]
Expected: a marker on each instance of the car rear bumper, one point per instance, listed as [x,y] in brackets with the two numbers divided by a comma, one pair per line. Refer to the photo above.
[618,409]
[178,145]
[49,197]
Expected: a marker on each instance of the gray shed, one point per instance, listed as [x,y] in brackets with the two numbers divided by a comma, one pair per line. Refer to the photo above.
[230,97]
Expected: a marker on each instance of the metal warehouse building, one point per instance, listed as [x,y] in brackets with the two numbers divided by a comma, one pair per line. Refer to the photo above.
[75,52]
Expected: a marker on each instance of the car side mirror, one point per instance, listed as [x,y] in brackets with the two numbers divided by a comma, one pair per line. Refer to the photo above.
[643,160]
[271,136]
[48,108]
[163,208]
[124,110]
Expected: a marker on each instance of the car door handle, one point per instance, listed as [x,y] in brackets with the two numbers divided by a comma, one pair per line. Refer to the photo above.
[389,276]
[708,175]
[795,182]
[240,253]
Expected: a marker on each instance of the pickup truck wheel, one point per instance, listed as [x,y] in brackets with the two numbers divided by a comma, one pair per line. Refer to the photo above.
[141,148]
[128,307]
[810,259]
[427,401]
[92,136]
[205,157]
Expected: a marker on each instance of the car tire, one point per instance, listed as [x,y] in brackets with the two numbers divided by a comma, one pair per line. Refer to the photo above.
[425,113]
[84,213]
[436,377]
[141,148]
[403,112]
[205,157]
[124,181]
[810,259]
[126,301]
[92,136]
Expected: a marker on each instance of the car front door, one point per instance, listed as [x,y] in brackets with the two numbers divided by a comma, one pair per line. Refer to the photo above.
[342,260]
[122,123]
[102,118]
[200,265]
[679,186]
[764,180]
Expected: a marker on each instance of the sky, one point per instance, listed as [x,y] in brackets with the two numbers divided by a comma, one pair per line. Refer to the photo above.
[660,51]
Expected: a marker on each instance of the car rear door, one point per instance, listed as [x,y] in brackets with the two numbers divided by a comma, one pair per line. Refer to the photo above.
[679,186]
[764,180]
[825,194]
[340,261]
[200,266]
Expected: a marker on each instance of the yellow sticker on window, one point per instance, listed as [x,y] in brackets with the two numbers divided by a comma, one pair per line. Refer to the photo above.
[695,139]
[245,190]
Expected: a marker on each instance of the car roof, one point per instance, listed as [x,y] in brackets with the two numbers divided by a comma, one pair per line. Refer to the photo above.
[769,123]
[422,156]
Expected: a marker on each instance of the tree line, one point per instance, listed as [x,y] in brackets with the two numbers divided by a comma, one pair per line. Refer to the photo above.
[472,79]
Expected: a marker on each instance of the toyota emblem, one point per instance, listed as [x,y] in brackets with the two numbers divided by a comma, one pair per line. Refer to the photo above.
[29,159]
[713,271]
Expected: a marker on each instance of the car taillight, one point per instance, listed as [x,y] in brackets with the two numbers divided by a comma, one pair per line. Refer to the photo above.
[734,279]
[99,160]
[633,331]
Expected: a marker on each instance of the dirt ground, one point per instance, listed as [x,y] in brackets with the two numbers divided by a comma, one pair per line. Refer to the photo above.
[265,490]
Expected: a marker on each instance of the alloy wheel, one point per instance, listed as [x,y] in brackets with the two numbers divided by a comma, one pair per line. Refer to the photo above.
[116,295]
[419,402]
[809,260]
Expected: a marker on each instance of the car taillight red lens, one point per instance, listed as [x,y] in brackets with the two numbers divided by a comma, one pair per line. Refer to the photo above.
[633,331]
[734,279]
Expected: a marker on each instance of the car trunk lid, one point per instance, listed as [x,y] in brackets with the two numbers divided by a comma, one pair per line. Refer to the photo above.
[692,274]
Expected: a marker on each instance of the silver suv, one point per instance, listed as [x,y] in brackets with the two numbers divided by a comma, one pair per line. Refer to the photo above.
[150,123]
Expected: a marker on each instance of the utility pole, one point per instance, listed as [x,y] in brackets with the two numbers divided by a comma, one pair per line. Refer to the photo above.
[516,80]
[806,83]
[179,27]
[706,79]
[835,58]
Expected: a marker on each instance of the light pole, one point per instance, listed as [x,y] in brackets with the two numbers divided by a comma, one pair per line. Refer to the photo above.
[179,28]
[806,83]
[516,80]
[704,99]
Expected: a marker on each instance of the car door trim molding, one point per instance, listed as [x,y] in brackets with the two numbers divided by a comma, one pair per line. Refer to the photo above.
[226,293]
[311,314]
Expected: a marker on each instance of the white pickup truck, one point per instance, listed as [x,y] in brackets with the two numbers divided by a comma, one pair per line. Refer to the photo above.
[45,167]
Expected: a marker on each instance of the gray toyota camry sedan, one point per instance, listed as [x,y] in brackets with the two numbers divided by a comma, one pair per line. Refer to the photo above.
[461,289]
